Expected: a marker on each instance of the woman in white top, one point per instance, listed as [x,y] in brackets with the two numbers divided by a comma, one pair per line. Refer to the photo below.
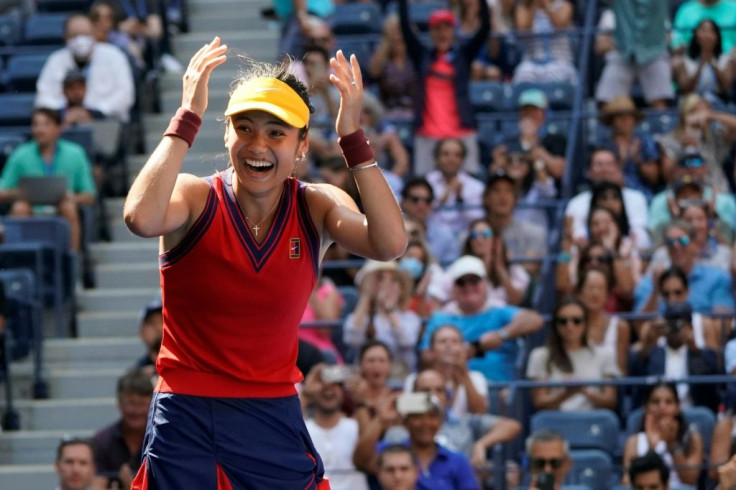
[568,356]
[604,330]
[665,431]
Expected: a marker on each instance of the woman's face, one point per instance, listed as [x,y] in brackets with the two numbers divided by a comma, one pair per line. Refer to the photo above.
[375,366]
[518,166]
[695,216]
[594,290]
[570,324]
[598,256]
[674,290]
[602,227]
[481,239]
[448,346]
[610,200]
[706,36]
[662,403]
[390,283]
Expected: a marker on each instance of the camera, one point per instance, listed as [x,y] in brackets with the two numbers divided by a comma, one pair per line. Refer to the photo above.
[336,374]
[416,403]
[545,481]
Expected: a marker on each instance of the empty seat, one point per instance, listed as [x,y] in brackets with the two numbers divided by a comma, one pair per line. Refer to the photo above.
[10,29]
[8,144]
[487,96]
[361,45]
[592,468]
[63,5]
[16,109]
[22,71]
[357,18]
[560,95]
[44,28]
[592,429]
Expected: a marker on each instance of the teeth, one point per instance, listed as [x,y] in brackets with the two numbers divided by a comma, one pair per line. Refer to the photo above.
[258,163]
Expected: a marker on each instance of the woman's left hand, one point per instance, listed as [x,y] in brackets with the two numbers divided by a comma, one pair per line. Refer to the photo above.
[349,81]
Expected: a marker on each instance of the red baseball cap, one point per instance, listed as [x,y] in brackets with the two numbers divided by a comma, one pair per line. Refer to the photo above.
[440,16]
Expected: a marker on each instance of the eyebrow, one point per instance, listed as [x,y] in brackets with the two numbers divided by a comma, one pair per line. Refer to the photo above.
[272,120]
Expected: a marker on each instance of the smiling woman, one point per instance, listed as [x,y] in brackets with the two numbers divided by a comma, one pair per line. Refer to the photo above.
[240,253]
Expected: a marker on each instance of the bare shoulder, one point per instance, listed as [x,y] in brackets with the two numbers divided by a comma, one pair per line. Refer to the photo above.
[187,204]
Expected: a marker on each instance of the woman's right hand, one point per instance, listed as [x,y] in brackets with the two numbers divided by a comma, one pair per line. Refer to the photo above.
[194,83]
[651,429]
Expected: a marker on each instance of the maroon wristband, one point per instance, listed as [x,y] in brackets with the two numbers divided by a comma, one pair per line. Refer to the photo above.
[355,148]
[185,125]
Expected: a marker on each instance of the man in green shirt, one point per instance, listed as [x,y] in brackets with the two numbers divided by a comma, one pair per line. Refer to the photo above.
[46,155]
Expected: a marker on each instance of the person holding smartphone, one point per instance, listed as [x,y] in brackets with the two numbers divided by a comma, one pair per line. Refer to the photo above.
[549,459]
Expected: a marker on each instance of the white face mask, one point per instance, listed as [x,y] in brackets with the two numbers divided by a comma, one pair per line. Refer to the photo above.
[81,46]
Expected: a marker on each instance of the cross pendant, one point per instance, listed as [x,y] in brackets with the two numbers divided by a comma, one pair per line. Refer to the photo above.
[255,229]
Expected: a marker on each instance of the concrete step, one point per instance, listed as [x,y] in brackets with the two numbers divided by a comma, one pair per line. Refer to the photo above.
[30,477]
[197,162]
[227,8]
[260,44]
[117,300]
[114,205]
[170,102]
[121,233]
[92,353]
[31,448]
[86,414]
[72,384]
[107,324]
[220,80]
[127,253]
[142,275]
[210,22]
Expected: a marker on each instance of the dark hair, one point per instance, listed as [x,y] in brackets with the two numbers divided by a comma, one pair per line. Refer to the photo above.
[93,15]
[598,149]
[395,449]
[585,258]
[693,51]
[417,182]
[597,193]
[438,146]
[73,441]
[682,429]
[313,48]
[586,272]
[557,354]
[614,218]
[673,272]
[136,382]
[466,244]
[651,461]
[374,343]
[52,114]
[442,327]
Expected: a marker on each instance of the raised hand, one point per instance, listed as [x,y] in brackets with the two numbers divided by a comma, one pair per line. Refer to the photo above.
[196,78]
[349,81]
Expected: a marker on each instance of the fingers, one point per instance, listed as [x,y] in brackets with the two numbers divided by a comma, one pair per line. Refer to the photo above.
[346,73]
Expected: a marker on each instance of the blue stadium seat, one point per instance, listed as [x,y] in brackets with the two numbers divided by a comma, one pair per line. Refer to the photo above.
[83,136]
[361,45]
[22,71]
[357,18]
[699,418]
[44,28]
[558,126]
[658,123]
[350,299]
[63,5]
[487,96]
[10,29]
[405,129]
[16,109]
[20,289]
[593,429]
[8,143]
[592,468]
[488,138]
[419,13]
[561,95]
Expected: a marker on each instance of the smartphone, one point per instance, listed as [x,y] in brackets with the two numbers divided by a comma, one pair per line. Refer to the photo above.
[545,481]
[415,403]
[336,374]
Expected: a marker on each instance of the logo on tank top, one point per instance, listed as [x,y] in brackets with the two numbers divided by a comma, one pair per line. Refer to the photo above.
[294,248]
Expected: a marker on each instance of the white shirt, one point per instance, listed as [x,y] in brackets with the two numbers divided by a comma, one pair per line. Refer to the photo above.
[675,367]
[335,446]
[460,399]
[110,87]
[472,197]
[636,210]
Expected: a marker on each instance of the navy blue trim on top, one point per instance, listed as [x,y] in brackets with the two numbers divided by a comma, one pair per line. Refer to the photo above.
[307,226]
[258,253]
[195,233]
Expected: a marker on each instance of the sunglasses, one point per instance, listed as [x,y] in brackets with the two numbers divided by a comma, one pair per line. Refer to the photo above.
[463,281]
[418,199]
[477,234]
[600,259]
[683,240]
[566,320]
[540,464]
[696,162]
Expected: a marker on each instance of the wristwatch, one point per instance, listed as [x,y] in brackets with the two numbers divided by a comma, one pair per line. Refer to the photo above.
[479,352]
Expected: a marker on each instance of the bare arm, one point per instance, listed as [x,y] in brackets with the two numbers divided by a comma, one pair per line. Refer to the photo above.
[560,16]
[623,339]
[158,201]
[688,465]
[720,448]
[605,398]
[504,430]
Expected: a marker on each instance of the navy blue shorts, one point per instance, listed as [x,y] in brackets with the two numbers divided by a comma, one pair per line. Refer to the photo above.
[208,443]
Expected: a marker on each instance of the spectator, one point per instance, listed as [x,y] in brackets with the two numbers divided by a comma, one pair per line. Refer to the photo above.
[704,69]
[393,72]
[676,356]
[105,29]
[609,196]
[649,472]
[333,433]
[325,99]
[396,468]
[665,431]
[603,167]
[568,355]
[636,151]
[604,228]
[448,356]
[604,330]
[118,446]
[75,112]
[151,329]
[325,304]
[500,55]
[549,459]
[110,88]
[522,239]
[417,197]
[509,282]
[382,312]
[470,434]
[700,130]
[48,154]
[296,18]
[547,50]
[709,236]
[428,277]
[532,183]
[75,464]
[458,195]
[639,52]
[440,467]
[692,12]
[442,109]
[710,288]
[384,139]
[141,20]
[370,386]
[491,331]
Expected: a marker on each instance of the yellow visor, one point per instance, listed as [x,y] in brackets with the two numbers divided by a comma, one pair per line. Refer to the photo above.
[270,95]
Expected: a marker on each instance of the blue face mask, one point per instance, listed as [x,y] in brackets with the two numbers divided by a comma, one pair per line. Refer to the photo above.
[412,266]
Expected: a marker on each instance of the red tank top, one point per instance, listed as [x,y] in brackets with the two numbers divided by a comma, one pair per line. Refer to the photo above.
[232,307]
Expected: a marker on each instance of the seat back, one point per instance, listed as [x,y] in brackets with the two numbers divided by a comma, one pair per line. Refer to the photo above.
[23,70]
[44,28]
[10,29]
[49,230]
[20,291]
[489,96]
[592,468]
[698,418]
[357,18]
[594,429]
[16,109]
[63,5]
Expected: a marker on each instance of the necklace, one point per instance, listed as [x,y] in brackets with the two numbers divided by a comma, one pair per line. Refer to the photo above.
[258,225]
